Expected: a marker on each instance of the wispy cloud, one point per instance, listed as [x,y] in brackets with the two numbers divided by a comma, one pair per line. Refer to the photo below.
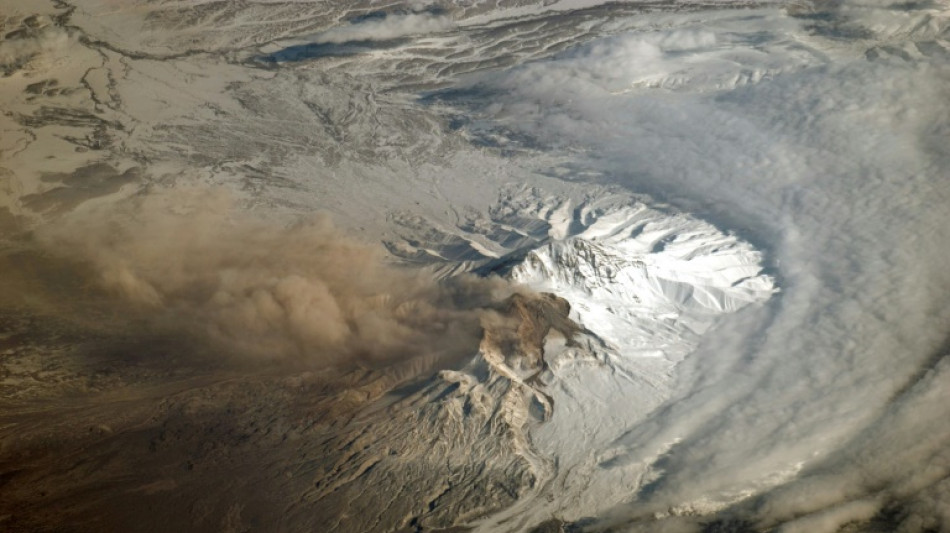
[385,28]
[830,163]
[27,44]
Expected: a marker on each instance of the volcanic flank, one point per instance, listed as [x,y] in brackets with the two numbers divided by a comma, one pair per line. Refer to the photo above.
[221,447]
[593,266]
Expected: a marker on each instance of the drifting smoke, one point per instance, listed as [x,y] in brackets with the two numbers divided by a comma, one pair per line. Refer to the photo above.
[302,293]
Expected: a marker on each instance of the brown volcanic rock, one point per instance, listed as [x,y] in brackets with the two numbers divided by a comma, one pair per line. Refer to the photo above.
[527,321]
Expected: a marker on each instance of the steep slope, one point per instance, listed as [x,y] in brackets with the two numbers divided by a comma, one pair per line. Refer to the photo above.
[643,285]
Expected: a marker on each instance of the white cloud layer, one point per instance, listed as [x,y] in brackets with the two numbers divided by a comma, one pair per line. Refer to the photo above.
[835,159]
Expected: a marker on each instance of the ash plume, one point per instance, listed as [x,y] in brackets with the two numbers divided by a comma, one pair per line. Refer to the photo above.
[303,293]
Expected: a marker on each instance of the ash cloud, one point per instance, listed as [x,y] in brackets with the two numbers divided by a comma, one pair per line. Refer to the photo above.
[303,293]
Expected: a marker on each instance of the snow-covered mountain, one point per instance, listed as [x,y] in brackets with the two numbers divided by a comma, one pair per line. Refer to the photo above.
[592,266]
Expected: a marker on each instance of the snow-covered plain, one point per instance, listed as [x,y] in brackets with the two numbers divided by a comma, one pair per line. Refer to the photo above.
[741,209]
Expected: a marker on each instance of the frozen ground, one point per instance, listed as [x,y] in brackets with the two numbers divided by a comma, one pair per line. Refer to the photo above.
[720,230]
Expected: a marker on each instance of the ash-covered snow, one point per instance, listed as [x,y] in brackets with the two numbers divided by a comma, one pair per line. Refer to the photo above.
[720,229]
